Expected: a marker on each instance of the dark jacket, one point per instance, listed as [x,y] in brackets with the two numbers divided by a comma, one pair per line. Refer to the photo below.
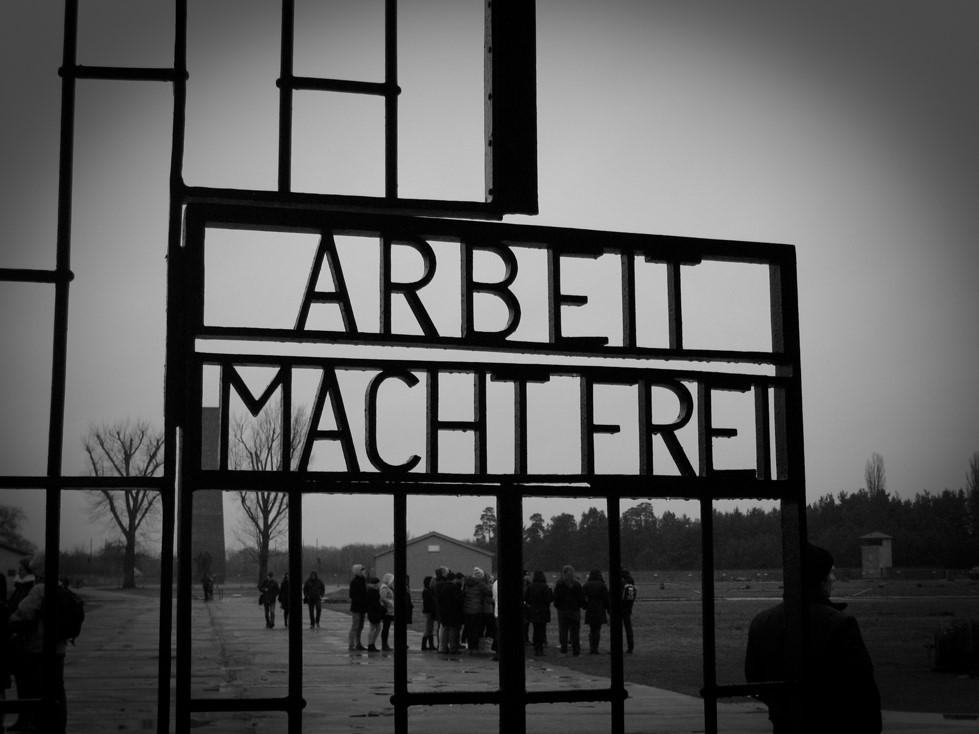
[840,693]
[477,595]
[373,605]
[537,600]
[596,602]
[284,592]
[269,590]
[569,598]
[313,590]
[450,601]
[358,594]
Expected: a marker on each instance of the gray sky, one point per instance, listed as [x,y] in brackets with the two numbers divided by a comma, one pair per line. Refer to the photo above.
[847,130]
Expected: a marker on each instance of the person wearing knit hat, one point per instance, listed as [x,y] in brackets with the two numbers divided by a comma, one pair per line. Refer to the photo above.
[839,692]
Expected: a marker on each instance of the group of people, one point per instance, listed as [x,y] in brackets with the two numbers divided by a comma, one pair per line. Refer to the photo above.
[271,591]
[461,610]
[22,649]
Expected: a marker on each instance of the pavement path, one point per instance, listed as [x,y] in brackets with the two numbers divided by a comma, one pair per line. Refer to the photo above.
[111,679]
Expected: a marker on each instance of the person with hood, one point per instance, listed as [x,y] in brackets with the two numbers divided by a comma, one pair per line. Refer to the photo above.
[313,591]
[375,611]
[358,606]
[629,594]
[839,692]
[27,625]
[596,608]
[387,599]
[537,609]
[476,595]
[569,600]
[268,594]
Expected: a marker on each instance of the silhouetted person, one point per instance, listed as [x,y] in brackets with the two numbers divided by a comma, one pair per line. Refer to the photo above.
[313,591]
[569,600]
[358,606]
[537,609]
[596,608]
[269,591]
[27,624]
[839,691]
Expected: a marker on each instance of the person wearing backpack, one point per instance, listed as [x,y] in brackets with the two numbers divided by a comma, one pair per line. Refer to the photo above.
[629,594]
[27,626]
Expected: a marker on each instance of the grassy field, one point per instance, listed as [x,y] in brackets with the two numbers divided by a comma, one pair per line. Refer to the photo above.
[898,620]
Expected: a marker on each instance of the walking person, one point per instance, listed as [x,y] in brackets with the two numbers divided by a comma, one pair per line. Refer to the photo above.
[375,612]
[629,594]
[569,600]
[596,608]
[387,599]
[358,606]
[268,595]
[284,599]
[537,609]
[840,693]
[313,591]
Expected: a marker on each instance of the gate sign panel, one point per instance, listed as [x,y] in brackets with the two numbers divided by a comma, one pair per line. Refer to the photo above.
[442,352]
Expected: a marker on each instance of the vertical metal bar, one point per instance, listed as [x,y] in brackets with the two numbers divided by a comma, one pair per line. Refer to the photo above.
[294,709]
[513,676]
[286,94]
[628,280]
[615,632]
[707,610]
[510,113]
[790,464]
[391,99]
[59,350]
[400,696]
[172,405]
[675,296]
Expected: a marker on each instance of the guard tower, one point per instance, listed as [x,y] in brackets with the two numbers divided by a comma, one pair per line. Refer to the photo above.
[875,555]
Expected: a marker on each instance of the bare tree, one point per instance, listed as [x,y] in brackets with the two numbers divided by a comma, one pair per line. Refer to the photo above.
[874,476]
[256,445]
[125,449]
[11,520]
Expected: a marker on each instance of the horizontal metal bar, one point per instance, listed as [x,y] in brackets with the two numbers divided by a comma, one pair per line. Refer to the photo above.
[83,482]
[531,485]
[380,89]
[28,275]
[123,73]
[490,343]
[337,202]
[433,698]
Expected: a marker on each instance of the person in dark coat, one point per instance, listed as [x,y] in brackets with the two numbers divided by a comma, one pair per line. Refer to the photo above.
[476,595]
[313,591]
[431,616]
[268,592]
[358,606]
[375,612]
[450,600]
[23,583]
[839,692]
[537,609]
[596,608]
[569,600]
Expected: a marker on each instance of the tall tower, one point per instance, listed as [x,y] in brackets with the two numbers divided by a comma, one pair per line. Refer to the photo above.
[207,526]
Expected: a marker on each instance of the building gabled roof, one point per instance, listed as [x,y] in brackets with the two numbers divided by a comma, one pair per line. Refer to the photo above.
[444,538]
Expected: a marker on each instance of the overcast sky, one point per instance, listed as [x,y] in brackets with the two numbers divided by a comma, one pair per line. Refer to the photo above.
[846,129]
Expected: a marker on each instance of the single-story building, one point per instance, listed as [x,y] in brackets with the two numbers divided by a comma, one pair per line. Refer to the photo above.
[429,551]
[9,558]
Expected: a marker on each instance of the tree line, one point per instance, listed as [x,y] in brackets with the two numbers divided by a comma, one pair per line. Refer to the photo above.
[930,530]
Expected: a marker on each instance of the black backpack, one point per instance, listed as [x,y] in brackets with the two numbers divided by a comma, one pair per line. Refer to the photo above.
[71,614]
